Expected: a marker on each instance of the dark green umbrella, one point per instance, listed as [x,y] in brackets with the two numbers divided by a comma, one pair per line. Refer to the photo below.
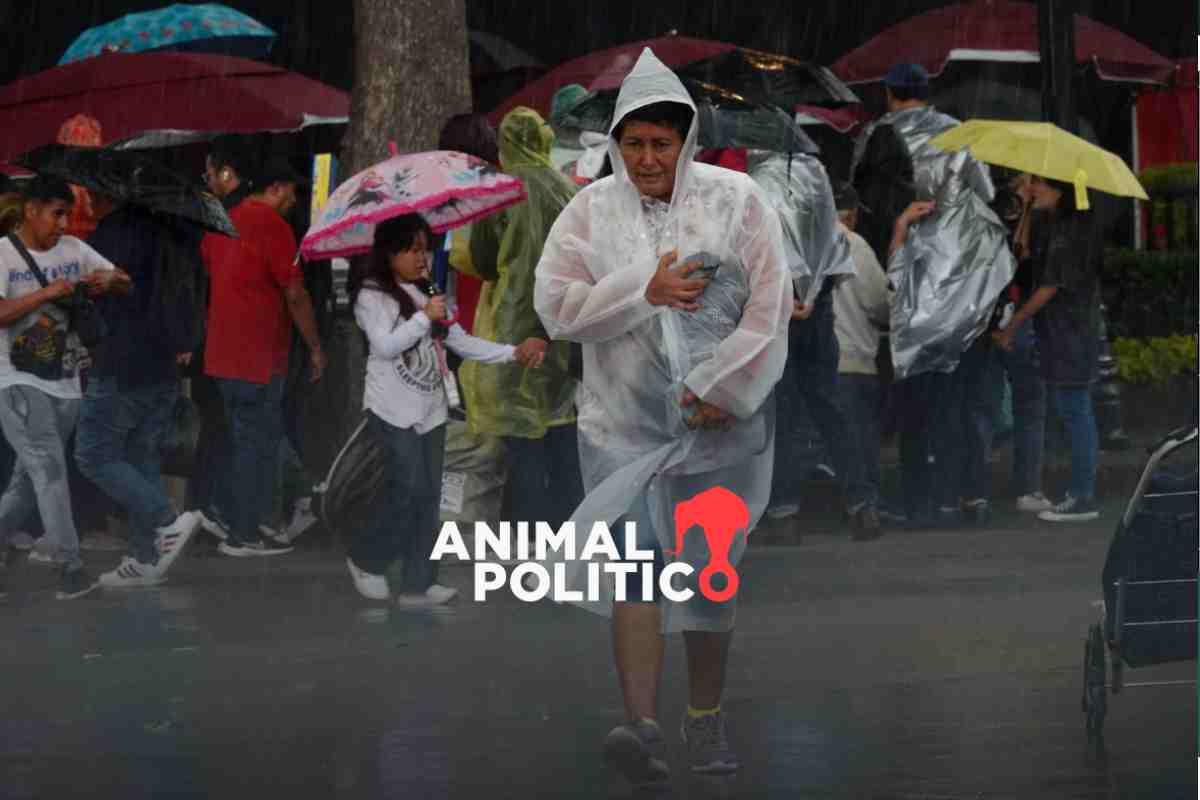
[726,120]
[134,178]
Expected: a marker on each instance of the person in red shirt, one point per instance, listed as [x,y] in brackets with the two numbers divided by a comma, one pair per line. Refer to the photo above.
[257,294]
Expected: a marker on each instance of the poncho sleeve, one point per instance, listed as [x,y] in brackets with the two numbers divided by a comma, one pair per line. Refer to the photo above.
[572,302]
[749,362]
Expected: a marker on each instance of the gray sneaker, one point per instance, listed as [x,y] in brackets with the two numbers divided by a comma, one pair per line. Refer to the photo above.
[634,749]
[708,750]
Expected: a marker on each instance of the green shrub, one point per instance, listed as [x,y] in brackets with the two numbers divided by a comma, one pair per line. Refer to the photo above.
[1155,360]
[1150,293]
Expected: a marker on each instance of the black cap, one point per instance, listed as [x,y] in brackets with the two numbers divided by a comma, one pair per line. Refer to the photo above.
[845,197]
[278,170]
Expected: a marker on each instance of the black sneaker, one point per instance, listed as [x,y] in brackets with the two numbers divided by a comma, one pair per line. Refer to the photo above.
[257,549]
[977,512]
[75,583]
[865,524]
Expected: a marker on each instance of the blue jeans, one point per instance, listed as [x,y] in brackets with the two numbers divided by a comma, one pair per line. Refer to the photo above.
[859,395]
[117,448]
[545,482]
[1029,410]
[408,505]
[1073,405]
[254,416]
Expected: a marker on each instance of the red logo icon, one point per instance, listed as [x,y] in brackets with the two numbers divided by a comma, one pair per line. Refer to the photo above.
[721,515]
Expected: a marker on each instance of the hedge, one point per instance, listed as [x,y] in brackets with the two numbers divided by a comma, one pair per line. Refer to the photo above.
[1155,360]
[1150,294]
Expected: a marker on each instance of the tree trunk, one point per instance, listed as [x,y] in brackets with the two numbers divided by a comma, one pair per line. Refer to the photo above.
[411,73]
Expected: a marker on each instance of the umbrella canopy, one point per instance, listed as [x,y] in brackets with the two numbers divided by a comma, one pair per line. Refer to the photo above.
[1041,148]
[770,79]
[605,69]
[132,178]
[149,94]
[206,27]
[996,30]
[725,120]
[449,189]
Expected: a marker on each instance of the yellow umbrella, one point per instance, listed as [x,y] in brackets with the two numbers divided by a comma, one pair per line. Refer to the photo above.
[1041,148]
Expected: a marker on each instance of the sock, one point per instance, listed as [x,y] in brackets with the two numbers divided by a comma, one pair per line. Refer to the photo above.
[697,713]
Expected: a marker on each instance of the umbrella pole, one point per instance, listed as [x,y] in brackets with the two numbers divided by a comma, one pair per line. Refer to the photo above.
[1139,241]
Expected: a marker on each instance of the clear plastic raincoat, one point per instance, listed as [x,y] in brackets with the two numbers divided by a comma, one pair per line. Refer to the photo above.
[955,263]
[636,450]
[507,399]
[799,190]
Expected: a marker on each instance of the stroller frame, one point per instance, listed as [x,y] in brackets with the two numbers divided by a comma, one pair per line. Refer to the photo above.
[1099,648]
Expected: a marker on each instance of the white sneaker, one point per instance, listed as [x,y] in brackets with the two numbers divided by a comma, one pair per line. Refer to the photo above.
[21,541]
[132,573]
[1072,510]
[440,595]
[435,595]
[783,511]
[174,537]
[1034,503]
[372,587]
[302,519]
[213,524]
[44,555]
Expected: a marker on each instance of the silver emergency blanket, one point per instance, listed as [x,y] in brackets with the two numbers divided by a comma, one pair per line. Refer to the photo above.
[799,189]
[955,263]
[637,454]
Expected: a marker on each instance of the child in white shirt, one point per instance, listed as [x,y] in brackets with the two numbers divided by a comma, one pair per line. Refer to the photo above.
[406,403]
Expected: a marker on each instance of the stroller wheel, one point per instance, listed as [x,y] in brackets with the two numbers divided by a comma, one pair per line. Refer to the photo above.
[1095,700]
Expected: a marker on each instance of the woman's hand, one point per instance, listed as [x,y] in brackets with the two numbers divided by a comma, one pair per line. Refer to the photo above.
[531,352]
[1003,339]
[670,287]
[706,416]
[107,281]
[801,311]
[435,309]
[918,209]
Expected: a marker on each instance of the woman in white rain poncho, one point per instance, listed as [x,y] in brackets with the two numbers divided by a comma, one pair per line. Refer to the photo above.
[677,379]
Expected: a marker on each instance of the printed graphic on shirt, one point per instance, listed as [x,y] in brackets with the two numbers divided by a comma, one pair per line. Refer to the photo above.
[418,368]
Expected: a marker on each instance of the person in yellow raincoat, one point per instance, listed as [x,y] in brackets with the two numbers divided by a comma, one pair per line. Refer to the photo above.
[532,410]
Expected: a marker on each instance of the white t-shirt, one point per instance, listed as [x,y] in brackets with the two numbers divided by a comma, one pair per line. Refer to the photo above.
[404,384]
[71,259]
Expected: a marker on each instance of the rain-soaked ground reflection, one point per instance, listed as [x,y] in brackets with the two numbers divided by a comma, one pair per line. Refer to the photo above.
[936,665]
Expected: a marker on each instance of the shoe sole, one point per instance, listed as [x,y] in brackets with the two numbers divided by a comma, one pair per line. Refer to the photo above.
[628,755]
[76,595]
[240,553]
[1088,517]
[147,583]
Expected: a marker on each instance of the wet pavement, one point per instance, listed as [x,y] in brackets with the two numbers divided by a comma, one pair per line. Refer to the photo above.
[924,665]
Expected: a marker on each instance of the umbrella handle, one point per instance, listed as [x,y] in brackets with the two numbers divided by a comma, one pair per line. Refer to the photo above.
[392,149]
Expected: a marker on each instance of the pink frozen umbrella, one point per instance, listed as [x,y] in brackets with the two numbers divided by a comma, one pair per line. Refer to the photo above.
[449,189]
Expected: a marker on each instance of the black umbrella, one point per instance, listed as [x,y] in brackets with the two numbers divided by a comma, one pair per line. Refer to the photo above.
[725,120]
[133,178]
[767,79]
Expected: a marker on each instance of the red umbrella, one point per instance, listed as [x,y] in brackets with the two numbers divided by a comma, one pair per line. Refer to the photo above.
[605,69]
[136,94]
[996,30]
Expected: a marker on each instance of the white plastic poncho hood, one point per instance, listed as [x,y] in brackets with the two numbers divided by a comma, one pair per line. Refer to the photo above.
[638,358]
[955,263]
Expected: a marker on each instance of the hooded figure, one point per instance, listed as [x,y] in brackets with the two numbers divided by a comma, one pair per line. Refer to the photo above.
[956,262]
[507,400]
[639,457]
